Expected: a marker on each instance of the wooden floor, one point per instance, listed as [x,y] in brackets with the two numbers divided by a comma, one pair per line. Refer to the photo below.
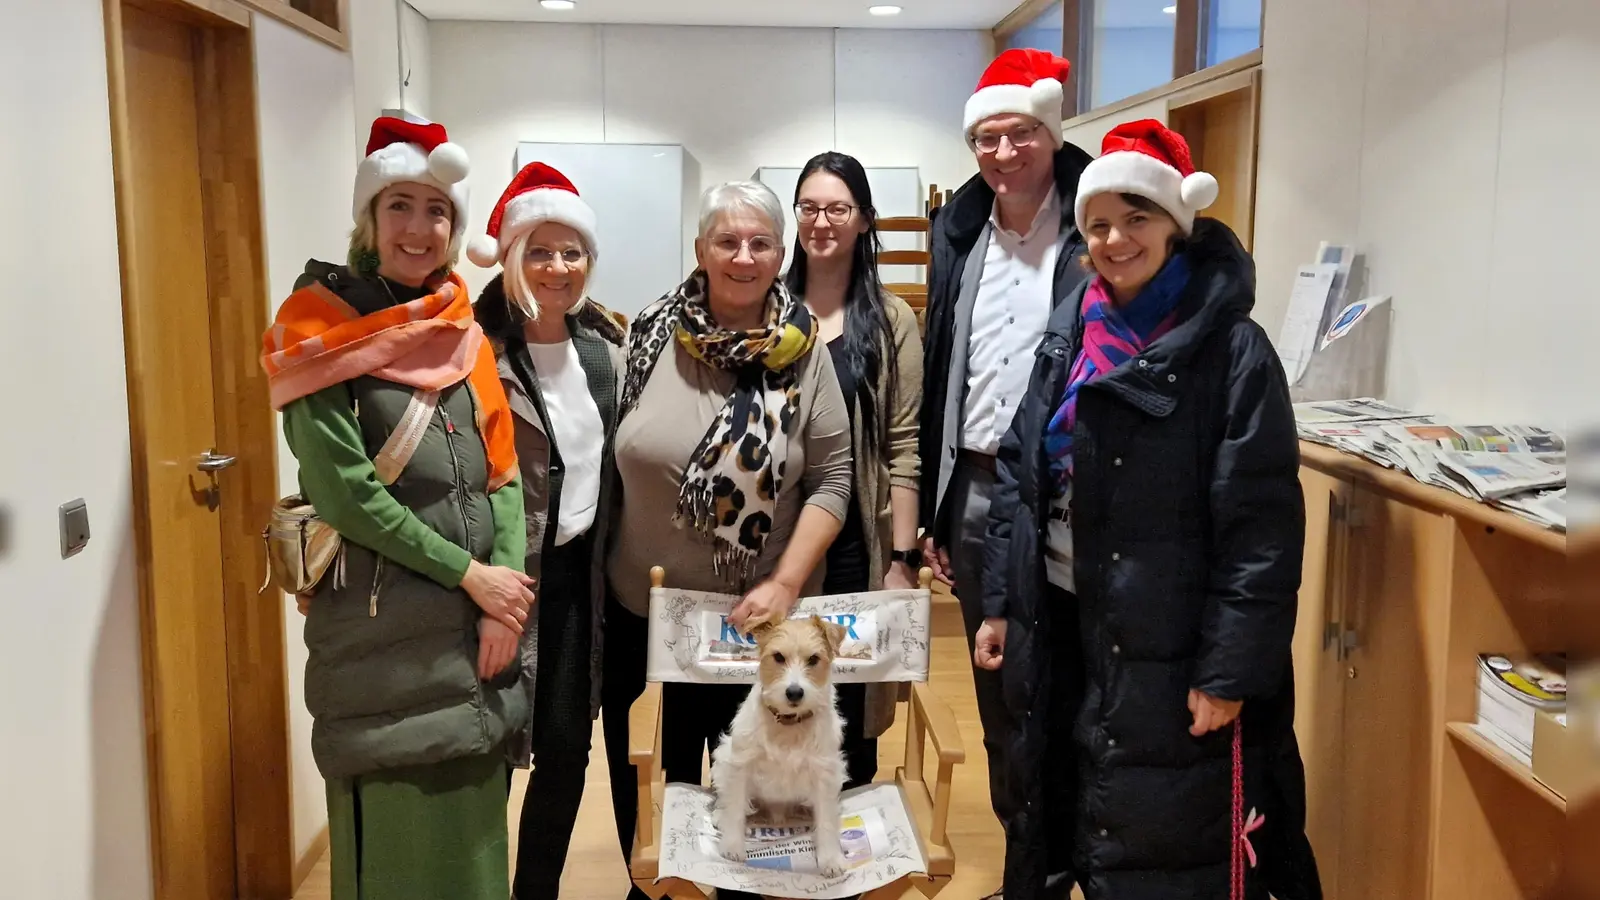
[595,869]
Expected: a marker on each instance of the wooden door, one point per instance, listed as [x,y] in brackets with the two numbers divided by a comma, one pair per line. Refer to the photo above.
[169,333]
[193,310]
[1319,672]
[1394,630]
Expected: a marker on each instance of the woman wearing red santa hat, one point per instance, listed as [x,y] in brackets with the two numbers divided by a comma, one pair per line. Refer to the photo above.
[559,357]
[395,413]
[1144,559]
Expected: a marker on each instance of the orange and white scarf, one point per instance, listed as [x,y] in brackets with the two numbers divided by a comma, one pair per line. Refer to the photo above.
[318,340]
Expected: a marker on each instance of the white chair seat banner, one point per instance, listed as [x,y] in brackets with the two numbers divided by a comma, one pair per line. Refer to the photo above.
[886,636]
[877,837]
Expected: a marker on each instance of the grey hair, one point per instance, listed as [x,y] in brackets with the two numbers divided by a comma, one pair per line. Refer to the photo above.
[748,195]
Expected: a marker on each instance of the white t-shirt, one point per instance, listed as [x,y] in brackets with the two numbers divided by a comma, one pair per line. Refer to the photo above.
[1009,316]
[579,433]
[1058,547]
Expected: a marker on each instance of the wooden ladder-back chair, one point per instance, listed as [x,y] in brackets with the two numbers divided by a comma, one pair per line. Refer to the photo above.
[915,293]
[927,719]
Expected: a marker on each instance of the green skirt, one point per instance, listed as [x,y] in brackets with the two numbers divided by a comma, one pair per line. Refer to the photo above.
[421,833]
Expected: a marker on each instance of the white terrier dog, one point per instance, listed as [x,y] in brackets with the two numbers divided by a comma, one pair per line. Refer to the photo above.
[783,748]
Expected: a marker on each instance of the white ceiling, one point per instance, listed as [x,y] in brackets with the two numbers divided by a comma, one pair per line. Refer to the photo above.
[964,14]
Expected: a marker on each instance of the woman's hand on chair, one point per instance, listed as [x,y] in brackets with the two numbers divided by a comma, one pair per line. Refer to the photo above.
[503,594]
[497,647]
[769,602]
[990,649]
[1211,713]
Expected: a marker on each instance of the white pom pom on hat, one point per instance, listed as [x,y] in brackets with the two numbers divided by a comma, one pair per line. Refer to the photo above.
[448,163]
[1151,160]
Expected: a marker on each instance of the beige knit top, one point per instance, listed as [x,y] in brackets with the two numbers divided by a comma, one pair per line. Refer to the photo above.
[654,442]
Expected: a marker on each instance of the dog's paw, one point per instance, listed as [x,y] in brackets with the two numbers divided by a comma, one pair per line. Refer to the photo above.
[830,861]
[732,847]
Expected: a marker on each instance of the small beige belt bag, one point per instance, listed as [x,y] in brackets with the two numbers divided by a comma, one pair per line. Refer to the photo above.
[300,545]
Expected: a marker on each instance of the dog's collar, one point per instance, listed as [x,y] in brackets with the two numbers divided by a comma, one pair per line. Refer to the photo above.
[789,718]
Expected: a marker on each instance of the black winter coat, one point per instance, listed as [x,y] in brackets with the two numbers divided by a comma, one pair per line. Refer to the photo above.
[1188,525]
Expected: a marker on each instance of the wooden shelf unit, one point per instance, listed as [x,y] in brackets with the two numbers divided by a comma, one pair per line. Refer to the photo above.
[1468,737]
[1404,586]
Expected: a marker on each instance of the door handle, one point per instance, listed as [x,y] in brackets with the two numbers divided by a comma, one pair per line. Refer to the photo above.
[211,461]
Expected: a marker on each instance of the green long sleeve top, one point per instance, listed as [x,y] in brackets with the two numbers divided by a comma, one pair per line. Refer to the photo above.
[334,468]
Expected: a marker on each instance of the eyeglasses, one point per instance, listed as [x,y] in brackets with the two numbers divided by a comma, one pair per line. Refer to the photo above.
[1019,137]
[838,213]
[544,256]
[762,247]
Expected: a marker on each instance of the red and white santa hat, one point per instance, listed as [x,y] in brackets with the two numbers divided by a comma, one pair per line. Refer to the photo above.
[400,151]
[1023,81]
[538,194]
[1149,159]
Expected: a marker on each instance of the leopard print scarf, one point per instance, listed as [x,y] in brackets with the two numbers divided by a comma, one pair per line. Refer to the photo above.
[731,484]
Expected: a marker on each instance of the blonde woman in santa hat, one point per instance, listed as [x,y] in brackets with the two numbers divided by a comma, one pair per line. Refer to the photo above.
[1144,559]
[395,413]
[559,356]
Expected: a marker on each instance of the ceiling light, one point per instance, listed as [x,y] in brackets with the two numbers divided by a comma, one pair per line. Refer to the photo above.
[884,10]
[558,5]
[1170,10]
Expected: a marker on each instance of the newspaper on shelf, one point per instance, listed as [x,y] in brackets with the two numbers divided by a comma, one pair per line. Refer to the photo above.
[1494,475]
[879,843]
[1547,508]
[887,636]
[1515,467]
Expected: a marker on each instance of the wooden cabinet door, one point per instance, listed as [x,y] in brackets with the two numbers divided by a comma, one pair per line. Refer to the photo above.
[1393,629]
[1318,673]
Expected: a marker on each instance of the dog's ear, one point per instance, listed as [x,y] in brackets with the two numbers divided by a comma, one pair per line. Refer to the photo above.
[761,629]
[832,632]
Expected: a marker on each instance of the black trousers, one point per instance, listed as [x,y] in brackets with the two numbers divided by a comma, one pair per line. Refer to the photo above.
[971,487]
[561,723]
[623,682]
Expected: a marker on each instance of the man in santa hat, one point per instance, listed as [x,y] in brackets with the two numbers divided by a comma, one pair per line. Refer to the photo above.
[1004,251]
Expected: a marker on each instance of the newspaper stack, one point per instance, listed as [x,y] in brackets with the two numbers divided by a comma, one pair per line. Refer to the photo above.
[1510,695]
[1519,468]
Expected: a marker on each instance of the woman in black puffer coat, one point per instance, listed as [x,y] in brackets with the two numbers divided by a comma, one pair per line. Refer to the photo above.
[1144,549]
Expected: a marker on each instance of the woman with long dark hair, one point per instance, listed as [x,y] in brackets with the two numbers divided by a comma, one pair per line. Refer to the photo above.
[877,354]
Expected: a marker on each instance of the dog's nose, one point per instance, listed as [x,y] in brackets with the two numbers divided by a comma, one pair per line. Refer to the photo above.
[795,693]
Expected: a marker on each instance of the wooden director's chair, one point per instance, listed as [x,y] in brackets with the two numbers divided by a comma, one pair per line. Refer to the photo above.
[927,718]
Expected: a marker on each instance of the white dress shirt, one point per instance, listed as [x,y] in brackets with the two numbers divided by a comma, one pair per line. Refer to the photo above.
[579,434]
[1009,315]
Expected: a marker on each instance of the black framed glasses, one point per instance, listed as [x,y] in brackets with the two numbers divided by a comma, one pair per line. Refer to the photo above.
[1019,137]
[838,213]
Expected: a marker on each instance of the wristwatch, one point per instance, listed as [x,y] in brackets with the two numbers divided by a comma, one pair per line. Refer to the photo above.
[912,558]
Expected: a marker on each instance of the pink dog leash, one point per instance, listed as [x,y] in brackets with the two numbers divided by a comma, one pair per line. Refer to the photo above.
[1242,824]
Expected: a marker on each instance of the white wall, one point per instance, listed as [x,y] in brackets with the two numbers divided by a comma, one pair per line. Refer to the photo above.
[75,825]
[736,98]
[1463,173]
[416,61]
[306,100]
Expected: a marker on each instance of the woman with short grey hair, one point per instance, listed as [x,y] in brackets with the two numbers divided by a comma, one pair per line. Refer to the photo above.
[723,505]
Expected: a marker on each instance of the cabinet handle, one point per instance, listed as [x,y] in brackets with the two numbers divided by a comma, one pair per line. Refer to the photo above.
[1333,577]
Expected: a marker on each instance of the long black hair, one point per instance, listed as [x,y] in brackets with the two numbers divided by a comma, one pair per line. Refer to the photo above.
[867,335]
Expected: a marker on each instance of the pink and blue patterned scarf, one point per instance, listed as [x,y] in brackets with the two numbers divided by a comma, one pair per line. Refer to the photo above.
[1111,337]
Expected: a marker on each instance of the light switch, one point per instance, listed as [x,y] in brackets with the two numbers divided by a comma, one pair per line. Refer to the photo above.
[74,528]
